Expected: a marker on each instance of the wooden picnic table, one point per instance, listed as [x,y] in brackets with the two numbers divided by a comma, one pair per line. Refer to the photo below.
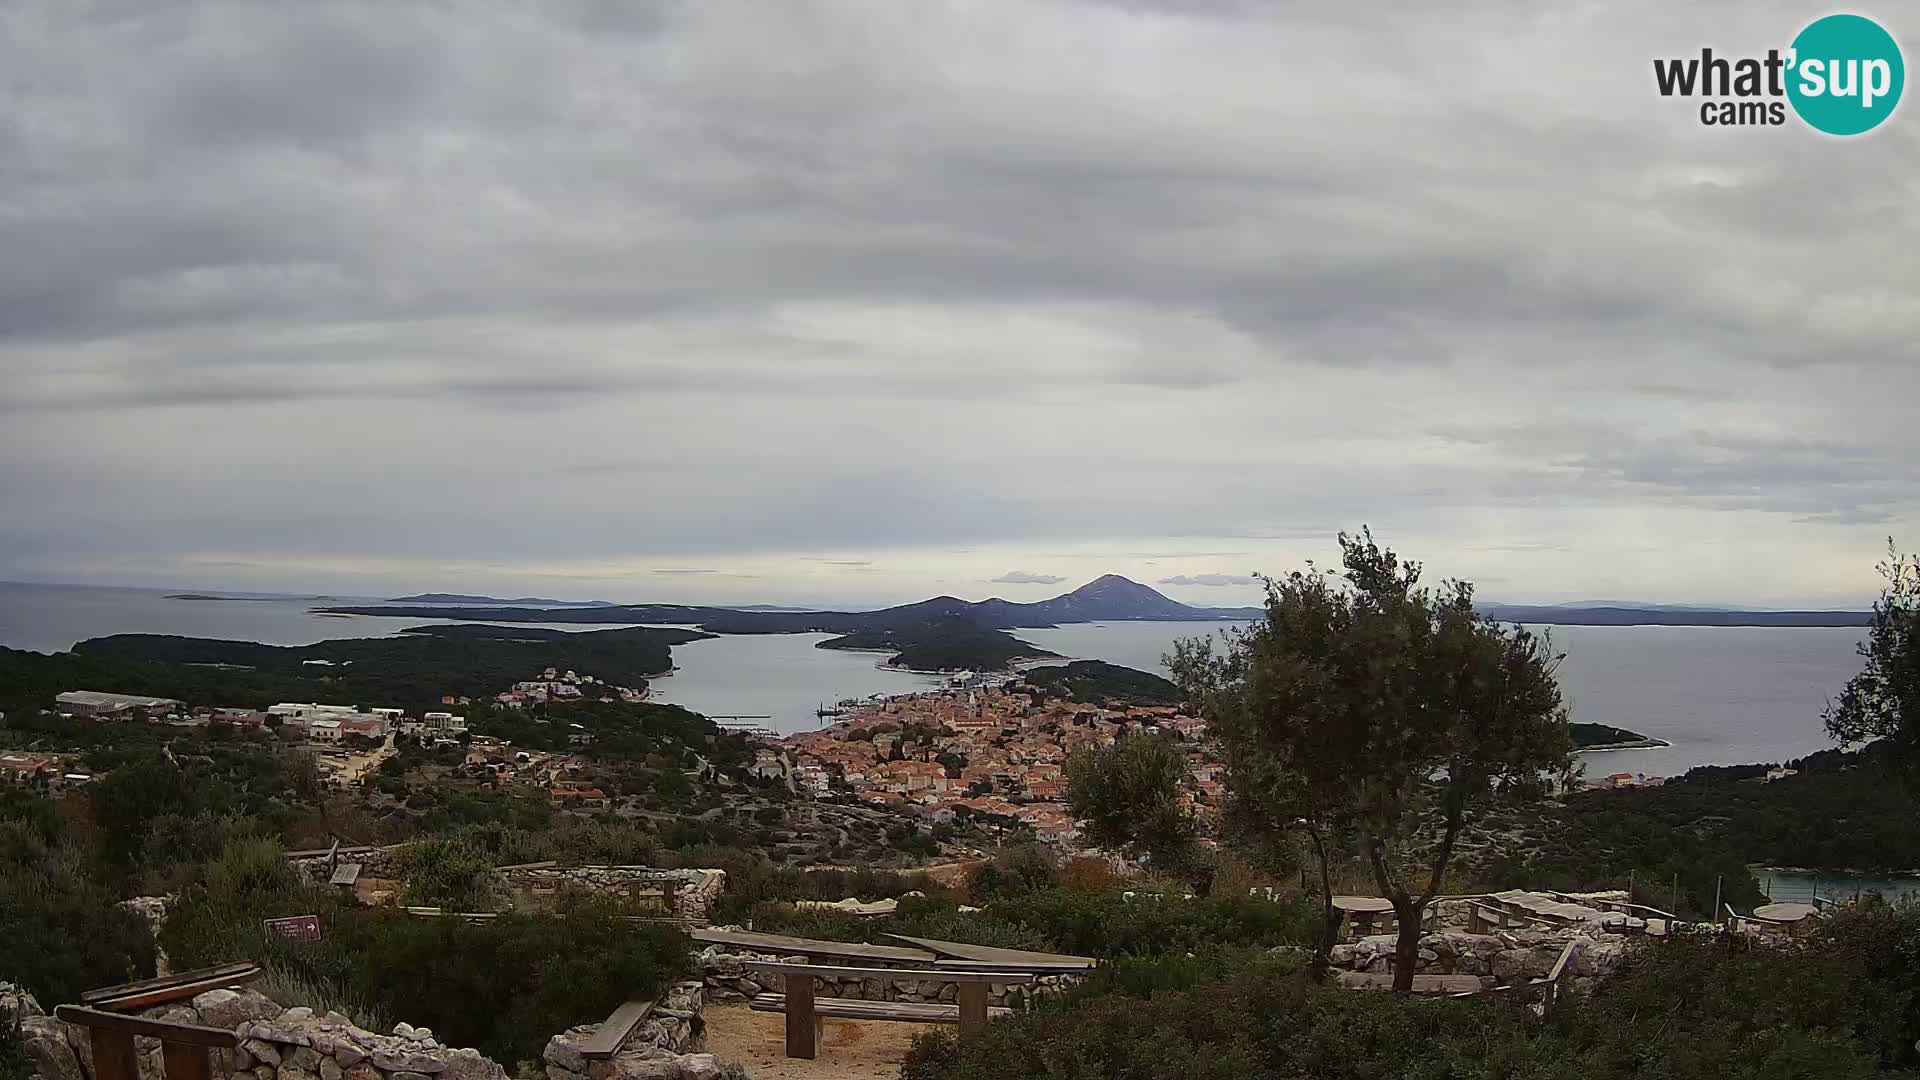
[957,954]
[783,945]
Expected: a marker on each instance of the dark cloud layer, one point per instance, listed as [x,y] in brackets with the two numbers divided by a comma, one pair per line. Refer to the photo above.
[844,299]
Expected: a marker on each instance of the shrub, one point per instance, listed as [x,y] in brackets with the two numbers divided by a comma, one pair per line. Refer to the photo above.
[1017,871]
[14,1063]
[1839,1007]
[450,874]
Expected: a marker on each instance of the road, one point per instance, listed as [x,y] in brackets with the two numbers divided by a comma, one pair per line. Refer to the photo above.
[356,766]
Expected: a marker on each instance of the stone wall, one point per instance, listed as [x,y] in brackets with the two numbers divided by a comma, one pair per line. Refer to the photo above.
[375,862]
[1498,959]
[694,896]
[298,1044]
[724,971]
[276,1044]
[669,1045]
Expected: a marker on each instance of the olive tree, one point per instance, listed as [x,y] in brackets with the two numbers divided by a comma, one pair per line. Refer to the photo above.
[1128,794]
[1883,700]
[1375,712]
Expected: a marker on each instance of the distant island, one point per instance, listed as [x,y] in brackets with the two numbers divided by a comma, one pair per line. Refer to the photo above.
[1602,737]
[1671,616]
[942,647]
[926,636]
[522,601]
[238,599]
[1109,598]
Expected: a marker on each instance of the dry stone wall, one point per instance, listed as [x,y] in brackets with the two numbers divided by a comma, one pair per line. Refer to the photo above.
[299,1044]
[694,890]
[275,1044]
[669,1045]
[1498,959]
[727,978]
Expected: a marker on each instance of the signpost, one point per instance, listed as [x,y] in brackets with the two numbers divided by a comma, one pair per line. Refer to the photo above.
[294,928]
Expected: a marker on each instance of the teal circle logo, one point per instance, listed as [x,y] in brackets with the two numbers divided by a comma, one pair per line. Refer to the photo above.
[1846,74]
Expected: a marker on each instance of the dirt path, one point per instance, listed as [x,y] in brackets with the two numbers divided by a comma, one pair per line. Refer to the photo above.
[849,1049]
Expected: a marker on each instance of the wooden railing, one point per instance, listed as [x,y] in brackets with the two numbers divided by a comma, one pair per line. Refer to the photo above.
[183,1047]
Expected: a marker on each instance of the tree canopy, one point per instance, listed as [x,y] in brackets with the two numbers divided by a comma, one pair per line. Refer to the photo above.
[1129,796]
[1883,700]
[1368,706]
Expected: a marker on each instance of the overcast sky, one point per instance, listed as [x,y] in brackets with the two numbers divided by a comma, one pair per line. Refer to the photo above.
[849,302]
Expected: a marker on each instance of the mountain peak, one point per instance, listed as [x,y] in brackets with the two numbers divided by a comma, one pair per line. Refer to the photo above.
[1111,596]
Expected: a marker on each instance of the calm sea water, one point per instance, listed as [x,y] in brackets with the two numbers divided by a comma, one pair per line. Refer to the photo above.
[1721,695]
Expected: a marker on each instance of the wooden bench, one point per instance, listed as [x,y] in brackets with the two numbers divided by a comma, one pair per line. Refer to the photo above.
[804,1011]
[613,1031]
[917,1012]
[183,1047]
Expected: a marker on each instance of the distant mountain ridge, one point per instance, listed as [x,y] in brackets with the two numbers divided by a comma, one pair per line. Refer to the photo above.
[1109,598]
[520,601]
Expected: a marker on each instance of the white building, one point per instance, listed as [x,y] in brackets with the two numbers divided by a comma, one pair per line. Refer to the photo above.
[294,710]
[323,730]
[444,723]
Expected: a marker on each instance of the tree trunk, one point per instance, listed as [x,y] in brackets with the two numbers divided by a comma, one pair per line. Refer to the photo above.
[1406,948]
[1329,918]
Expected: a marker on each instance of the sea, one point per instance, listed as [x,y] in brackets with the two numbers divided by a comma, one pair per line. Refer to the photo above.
[1718,695]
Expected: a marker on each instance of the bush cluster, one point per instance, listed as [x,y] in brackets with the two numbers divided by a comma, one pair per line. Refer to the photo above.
[1841,1006]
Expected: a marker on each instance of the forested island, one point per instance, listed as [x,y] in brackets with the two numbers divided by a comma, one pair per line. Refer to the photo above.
[1603,737]
[942,647]
[412,670]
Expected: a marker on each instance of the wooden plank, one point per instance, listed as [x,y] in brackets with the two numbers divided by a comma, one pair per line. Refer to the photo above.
[803,1027]
[1034,967]
[1006,958]
[1560,965]
[120,1023]
[973,1008]
[781,943]
[163,994]
[911,1012]
[606,1039]
[184,1061]
[345,874]
[936,974]
[175,979]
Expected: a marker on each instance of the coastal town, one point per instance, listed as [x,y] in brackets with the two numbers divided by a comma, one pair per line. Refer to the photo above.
[993,754]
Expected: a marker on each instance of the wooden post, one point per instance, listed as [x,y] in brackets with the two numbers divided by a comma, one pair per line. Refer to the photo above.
[184,1061]
[973,1007]
[670,895]
[113,1056]
[803,1027]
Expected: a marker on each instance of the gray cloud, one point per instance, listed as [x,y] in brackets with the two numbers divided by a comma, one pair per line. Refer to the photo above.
[586,288]
[1022,577]
[1215,580]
